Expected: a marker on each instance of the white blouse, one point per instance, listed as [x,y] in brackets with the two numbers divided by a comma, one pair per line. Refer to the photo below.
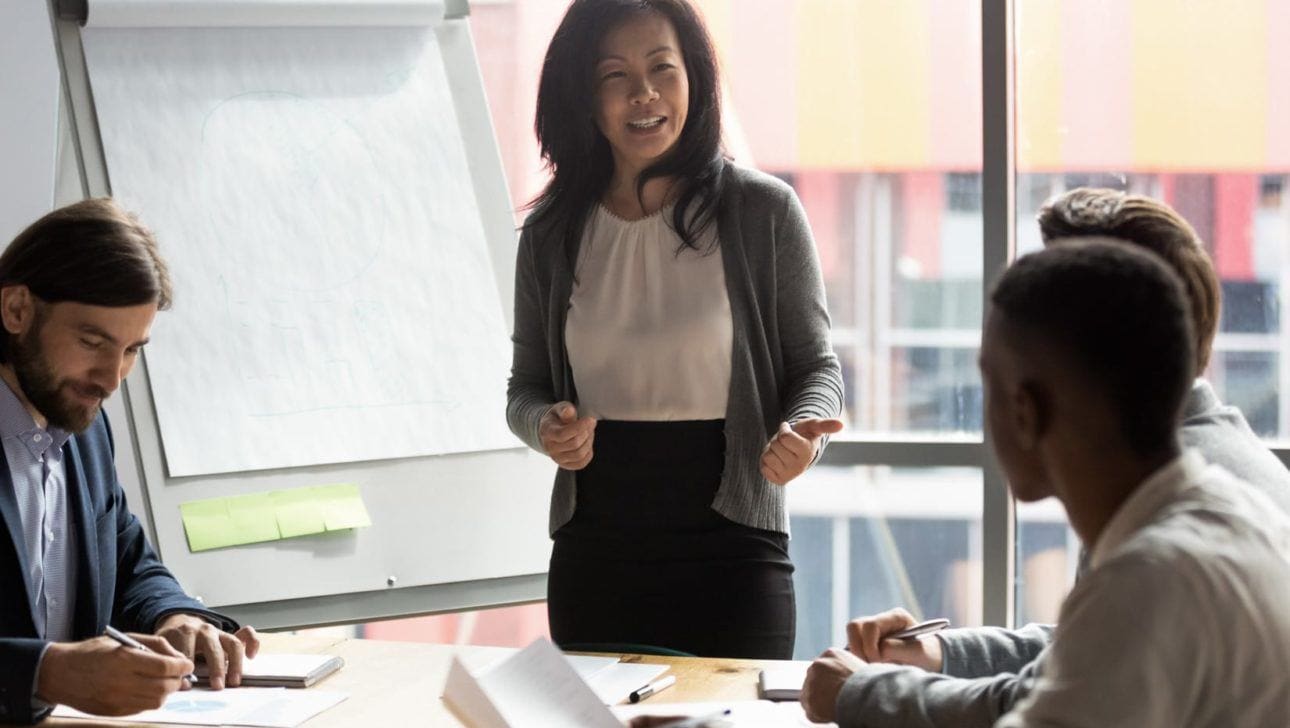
[648,331]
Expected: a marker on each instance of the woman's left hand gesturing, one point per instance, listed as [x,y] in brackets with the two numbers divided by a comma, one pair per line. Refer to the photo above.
[792,449]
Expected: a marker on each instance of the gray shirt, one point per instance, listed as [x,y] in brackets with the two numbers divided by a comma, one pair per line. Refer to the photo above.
[783,366]
[988,670]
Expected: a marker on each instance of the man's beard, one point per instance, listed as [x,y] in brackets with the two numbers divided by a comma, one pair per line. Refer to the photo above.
[37,380]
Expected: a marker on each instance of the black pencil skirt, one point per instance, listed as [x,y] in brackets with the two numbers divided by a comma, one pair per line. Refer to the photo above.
[646,560]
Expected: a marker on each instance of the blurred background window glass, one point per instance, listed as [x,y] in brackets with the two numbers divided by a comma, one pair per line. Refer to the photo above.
[866,539]
[1188,102]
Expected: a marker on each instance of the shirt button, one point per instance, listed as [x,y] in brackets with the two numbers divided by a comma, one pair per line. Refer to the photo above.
[38,437]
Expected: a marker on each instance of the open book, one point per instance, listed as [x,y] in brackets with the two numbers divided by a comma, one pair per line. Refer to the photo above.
[533,688]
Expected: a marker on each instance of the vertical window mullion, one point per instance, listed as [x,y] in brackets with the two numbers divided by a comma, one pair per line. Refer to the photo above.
[998,196]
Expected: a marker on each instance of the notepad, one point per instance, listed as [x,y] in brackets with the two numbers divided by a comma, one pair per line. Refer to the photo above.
[783,683]
[282,671]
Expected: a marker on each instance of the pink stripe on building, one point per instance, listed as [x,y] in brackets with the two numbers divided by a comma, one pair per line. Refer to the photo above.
[1235,197]
[1278,110]
[922,204]
[955,85]
[821,197]
[1097,94]
[762,78]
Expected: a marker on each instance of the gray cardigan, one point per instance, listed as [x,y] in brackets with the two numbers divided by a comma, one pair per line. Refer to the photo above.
[988,670]
[782,363]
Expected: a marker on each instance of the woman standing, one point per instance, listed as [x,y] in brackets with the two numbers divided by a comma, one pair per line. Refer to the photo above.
[671,348]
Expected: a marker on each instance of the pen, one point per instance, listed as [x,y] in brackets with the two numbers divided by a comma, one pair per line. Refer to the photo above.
[922,628]
[641,693]
[699,721]
[129,641]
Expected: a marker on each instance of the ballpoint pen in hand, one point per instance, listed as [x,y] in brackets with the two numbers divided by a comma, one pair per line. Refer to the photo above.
[129,641]
[922,628]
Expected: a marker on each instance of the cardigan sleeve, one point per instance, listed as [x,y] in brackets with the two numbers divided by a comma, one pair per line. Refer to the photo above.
[529,391]
[813,378]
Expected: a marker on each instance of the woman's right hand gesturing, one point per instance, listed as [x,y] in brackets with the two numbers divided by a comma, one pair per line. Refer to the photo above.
[566,438]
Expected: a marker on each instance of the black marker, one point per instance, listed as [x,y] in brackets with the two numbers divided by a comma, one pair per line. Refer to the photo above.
[654,687]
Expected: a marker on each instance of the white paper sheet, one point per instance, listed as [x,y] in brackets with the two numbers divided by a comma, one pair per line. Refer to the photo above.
[609,678]
[335,300]
[743,713]
[613,684]
[534,688]
[265,707]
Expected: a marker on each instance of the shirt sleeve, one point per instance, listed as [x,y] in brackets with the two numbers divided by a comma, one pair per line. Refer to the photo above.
[893,696]
[989,651]
[38,706]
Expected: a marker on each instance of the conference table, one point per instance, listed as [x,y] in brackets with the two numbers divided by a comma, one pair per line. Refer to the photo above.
[399,683]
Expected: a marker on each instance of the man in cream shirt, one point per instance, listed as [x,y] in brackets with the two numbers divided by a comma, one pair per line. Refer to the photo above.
[1181,619]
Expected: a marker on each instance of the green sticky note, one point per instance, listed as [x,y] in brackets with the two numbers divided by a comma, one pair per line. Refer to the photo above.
[254,518]
[207,524]
[298,512]
[343,507]
[220,522]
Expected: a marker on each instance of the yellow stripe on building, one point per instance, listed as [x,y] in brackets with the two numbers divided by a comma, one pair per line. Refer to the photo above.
[1200,79]
[1039,84]
[863,84]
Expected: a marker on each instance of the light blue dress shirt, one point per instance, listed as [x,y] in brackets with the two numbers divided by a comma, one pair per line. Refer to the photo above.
[35,459]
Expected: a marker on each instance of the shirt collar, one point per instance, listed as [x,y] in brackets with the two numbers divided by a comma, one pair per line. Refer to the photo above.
[1159,490]
[17,422]
[1200,400]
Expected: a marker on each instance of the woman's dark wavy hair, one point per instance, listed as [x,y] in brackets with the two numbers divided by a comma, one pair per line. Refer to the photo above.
[578,155]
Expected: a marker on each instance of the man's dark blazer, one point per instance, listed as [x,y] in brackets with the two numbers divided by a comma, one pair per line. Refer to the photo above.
[119,579]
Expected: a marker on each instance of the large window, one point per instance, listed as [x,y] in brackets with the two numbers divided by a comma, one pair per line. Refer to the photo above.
[867,538]
[1185,102]
[873,111]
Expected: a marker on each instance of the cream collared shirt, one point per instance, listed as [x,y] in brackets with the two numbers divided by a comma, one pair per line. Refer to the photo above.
[1183,619]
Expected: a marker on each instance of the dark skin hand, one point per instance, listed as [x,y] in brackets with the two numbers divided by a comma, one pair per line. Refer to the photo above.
[824,680]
